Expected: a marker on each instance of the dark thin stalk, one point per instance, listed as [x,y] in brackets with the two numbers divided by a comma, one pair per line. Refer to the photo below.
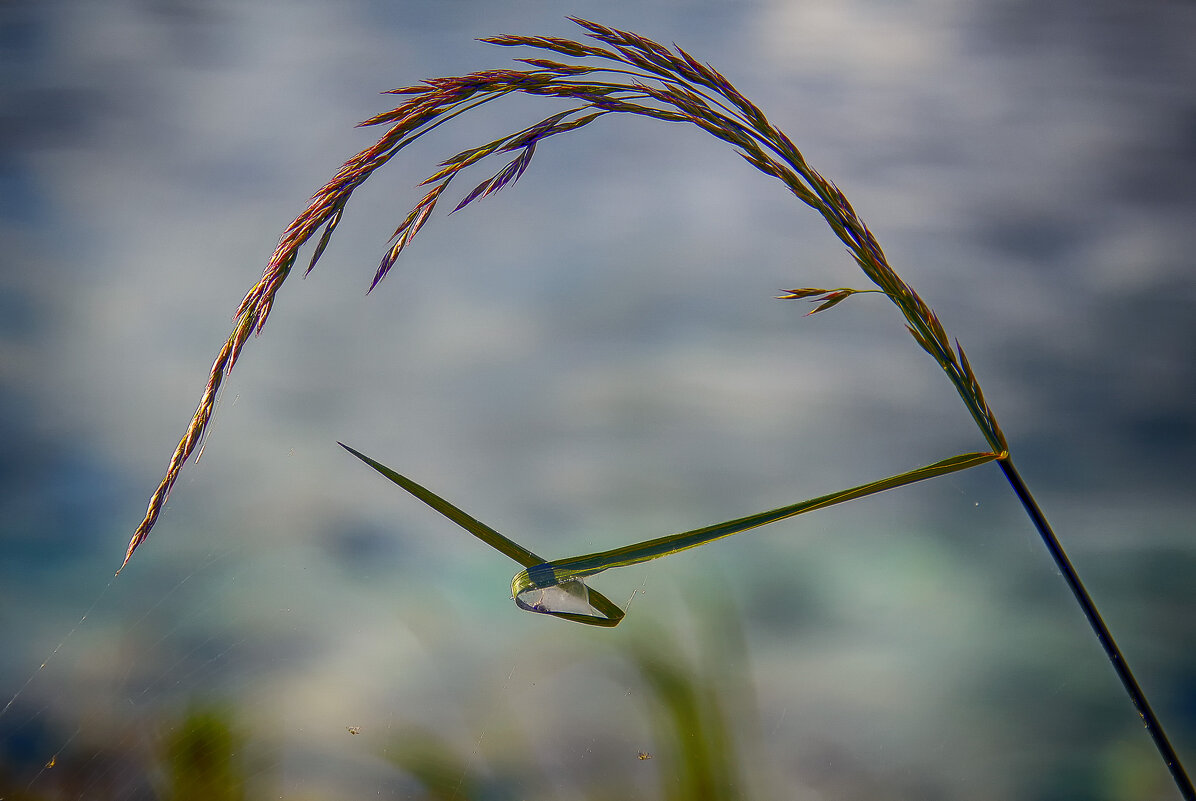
[1120,665]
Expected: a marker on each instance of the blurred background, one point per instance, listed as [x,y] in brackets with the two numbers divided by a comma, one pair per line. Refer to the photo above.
[589,359]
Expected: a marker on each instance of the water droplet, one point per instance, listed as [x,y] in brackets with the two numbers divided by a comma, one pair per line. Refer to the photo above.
[568,596]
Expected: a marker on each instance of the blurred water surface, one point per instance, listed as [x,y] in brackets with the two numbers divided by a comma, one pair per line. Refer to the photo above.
[593,357]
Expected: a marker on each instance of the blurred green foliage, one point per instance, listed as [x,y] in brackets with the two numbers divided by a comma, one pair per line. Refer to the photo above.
[702,741]
[204,758]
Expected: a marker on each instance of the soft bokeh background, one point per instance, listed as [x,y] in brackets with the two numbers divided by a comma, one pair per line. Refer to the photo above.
[591,358]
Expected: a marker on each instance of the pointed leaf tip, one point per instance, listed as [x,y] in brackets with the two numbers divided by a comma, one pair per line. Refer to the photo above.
[832,299]
[805,292]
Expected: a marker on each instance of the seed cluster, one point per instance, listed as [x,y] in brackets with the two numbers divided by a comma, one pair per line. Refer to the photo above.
[631,75]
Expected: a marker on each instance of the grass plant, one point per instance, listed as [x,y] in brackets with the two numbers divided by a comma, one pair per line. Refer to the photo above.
[619,72]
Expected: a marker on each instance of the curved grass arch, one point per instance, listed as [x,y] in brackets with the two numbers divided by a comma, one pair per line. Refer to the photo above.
[630,74]
[647,80]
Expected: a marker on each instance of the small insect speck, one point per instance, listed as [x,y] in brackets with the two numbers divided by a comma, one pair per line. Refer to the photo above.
[643,755]
[353,729]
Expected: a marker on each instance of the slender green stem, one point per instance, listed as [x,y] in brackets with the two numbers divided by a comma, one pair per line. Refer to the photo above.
[1112,651]
[593,563]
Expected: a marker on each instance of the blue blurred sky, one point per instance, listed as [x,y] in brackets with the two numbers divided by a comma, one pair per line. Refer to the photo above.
[594,357]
